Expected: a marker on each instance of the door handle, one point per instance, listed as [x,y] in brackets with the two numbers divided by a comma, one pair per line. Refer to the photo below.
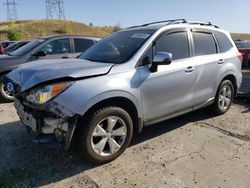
[189,69]
[221,61]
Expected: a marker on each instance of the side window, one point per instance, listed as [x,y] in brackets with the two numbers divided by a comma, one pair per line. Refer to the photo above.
[204,43]
[223,42]
[60,46]
[81,45]
[175,43]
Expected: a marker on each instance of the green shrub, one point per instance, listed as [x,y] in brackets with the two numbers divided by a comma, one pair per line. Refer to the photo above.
[67,29]
[13,35]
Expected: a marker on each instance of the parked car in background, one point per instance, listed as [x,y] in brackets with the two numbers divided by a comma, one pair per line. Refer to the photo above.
[6,43]
[244,48]
[130,79]
[51,47]
[1,49]
[15,46]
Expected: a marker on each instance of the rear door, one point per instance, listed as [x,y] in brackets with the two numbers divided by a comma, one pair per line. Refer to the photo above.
[208,65]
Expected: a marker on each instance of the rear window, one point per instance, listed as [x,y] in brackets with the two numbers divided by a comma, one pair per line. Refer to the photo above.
[223,42]
[81,45]
[242,44]
[204,43]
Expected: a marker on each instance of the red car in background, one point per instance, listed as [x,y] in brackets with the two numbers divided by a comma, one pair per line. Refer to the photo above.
[244,48]
[1,49]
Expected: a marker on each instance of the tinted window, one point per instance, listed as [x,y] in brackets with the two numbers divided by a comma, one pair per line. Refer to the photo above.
[247,44]
[81,45]
[175,43]
[118,47]
[60,46]
[223,42]
[242,44]
[204,44]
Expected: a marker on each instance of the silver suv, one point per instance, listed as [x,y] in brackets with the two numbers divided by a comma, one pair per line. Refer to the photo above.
[130,79]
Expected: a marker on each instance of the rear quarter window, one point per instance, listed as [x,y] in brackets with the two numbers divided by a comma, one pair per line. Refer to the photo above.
[81,45]
[204,43]
[223,42]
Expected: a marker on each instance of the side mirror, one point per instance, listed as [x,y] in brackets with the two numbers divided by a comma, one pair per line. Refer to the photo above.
[162,58]
[40,54]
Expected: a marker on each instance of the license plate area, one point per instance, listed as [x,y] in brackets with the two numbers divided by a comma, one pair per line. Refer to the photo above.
[25,117]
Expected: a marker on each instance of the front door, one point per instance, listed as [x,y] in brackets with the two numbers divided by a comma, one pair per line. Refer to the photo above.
[169,90]
[56,49]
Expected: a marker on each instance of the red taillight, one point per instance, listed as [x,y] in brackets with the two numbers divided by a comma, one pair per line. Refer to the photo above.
[240,56]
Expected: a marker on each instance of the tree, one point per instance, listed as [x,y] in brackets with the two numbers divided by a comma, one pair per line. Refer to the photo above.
[117,27]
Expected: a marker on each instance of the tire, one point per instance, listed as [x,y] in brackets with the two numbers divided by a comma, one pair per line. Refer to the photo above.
[224,97]
[4,96]
[110,126]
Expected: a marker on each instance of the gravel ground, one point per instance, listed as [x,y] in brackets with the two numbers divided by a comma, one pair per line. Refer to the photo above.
[194,150]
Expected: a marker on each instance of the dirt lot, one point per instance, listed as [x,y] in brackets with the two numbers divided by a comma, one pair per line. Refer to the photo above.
[194,150]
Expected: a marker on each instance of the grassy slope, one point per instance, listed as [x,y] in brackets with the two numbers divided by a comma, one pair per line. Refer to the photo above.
[31,29]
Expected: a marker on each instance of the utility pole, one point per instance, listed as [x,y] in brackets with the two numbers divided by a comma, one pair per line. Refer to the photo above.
[55,9]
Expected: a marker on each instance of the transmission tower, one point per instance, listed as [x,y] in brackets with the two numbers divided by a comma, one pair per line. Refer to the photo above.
[11,10]
[55,9]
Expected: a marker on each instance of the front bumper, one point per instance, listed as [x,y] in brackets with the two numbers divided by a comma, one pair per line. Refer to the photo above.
[45,123]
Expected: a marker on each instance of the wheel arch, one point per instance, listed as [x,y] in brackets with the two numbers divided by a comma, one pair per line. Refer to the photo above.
[233,79]
[119,101]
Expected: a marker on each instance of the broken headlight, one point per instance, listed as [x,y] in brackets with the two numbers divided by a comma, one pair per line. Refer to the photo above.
[43,94]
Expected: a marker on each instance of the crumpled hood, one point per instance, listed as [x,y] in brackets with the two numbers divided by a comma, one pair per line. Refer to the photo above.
[31,74]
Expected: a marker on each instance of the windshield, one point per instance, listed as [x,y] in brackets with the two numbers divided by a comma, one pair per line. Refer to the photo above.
[26,48]
[118,47]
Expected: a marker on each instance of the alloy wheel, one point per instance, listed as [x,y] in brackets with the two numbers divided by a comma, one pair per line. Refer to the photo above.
[225,97]
[109,136]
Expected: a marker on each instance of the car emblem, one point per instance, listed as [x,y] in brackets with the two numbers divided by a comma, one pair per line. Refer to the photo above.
[10,87]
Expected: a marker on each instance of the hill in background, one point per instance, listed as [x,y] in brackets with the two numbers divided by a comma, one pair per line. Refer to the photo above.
[31,29]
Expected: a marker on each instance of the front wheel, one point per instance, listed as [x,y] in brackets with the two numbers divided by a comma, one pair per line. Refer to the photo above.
[106,135]
[224,97]
[5,96]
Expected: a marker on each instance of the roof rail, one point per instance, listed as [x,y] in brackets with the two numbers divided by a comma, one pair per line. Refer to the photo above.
[176,21]
[203,23]
[164,21]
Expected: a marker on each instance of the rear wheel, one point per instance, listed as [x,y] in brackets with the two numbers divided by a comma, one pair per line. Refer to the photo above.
[5,96]
[106,135]
[224,97]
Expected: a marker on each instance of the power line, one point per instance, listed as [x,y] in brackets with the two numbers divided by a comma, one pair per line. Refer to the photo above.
[55,9]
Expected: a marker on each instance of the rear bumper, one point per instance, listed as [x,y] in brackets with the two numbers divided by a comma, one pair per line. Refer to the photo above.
[44,123]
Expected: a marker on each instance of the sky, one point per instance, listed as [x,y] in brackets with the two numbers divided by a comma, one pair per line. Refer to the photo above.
[232,15]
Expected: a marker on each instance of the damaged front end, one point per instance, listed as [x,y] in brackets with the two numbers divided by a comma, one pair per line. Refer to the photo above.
[51,125]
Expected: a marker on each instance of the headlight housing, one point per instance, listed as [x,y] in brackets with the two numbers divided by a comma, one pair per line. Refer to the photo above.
[45,93]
